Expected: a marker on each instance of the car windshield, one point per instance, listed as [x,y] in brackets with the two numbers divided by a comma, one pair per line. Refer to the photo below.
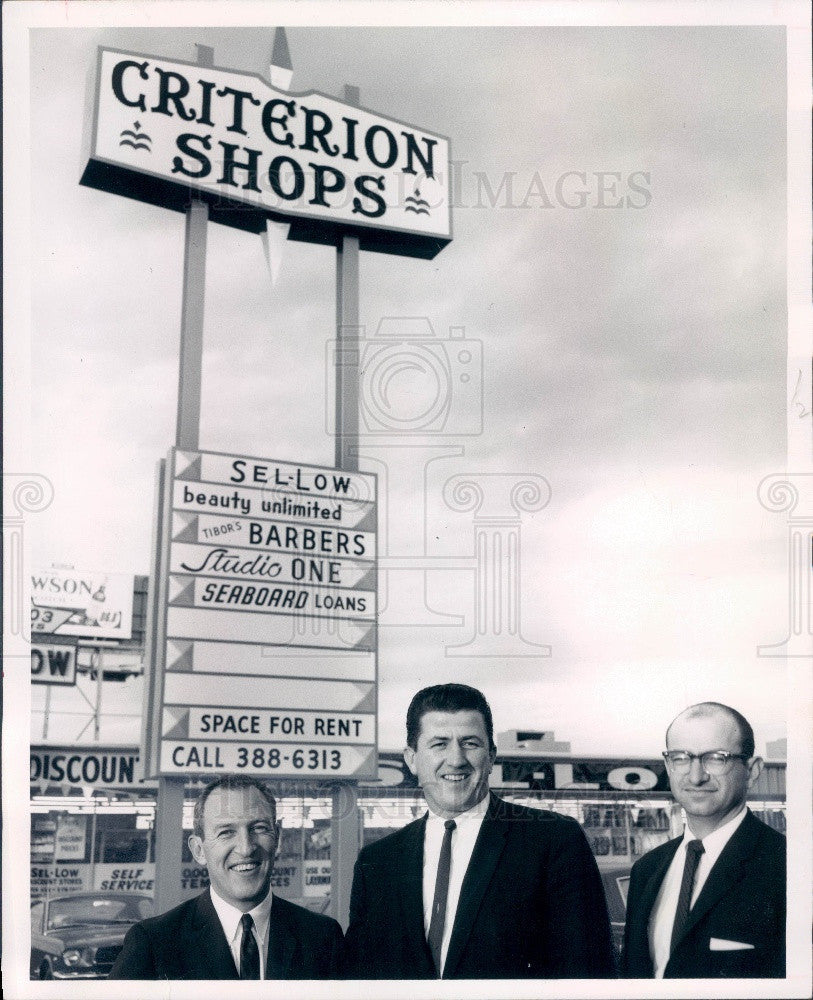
[97,910]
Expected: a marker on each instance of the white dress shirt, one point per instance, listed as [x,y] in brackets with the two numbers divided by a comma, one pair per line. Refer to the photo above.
[662,918]
[463,838]
[230,917]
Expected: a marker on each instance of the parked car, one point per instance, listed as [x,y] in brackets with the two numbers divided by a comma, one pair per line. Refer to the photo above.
[79,935]
[616,882]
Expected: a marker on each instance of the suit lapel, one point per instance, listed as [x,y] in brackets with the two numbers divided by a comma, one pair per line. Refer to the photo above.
[640,959]
[487,850]
[653,884]
[410,878]
[281,942]
[728,869]
[208,944]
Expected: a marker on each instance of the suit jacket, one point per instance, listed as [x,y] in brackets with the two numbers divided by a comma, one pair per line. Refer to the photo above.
[743,901]
[531,904]
[188,943]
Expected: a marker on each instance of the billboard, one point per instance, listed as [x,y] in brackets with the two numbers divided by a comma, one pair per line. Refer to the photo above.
[82,604]
[165,130]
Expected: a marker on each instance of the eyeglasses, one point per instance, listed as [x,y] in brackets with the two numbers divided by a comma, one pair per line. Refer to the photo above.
[712,761]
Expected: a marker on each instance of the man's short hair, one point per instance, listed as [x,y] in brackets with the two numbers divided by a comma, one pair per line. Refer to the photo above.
[232,783]
[447,698]
[706,708]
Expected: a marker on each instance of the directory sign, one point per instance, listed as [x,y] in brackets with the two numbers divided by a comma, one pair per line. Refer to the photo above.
[267,641]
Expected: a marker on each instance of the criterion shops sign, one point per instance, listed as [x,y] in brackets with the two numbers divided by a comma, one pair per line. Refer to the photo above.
[266,658]
[163,129]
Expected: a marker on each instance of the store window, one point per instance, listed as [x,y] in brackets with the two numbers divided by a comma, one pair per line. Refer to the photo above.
[60,835]
[120,841]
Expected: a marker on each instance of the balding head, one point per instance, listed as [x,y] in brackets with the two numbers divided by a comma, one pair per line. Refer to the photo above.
[708,709]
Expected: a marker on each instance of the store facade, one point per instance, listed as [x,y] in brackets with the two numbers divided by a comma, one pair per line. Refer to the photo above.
[93,816]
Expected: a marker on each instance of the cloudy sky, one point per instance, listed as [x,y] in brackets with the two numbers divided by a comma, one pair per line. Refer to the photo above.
[619,263]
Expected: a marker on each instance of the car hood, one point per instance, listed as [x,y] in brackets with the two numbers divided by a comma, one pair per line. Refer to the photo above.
[94,935]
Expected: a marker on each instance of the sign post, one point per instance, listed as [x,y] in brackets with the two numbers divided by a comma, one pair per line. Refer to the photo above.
[345,826]
[266,643]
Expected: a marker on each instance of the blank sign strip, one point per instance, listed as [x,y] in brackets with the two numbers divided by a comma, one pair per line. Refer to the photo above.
[279,661]
[225,691]
[275,630]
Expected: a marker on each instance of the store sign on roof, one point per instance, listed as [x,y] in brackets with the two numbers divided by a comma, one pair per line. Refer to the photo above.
[163,130]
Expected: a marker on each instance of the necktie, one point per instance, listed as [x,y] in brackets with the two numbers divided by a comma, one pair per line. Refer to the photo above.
[441,893]
[249,952]
[693,851]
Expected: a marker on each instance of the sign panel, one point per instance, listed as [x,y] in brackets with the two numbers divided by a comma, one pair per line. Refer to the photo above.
[314,543]
[316,882]
[269,598]
[87,605]
[100,767]
[269,760]
[165,129]
[249,658]
[70,838]
[53,665]
[267,637]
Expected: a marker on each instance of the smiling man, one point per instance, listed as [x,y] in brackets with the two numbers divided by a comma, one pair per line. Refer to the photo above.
[236,929]
[712,902]
[478,888]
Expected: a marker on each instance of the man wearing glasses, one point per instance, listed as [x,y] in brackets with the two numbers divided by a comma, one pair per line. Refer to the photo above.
[712,902]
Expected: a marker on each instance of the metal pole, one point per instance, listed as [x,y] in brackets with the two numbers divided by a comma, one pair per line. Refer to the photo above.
[98,655]
[169,804]
[345,826]
[347,342]
[189,370]
[93,858]
[168,843]
[47,709]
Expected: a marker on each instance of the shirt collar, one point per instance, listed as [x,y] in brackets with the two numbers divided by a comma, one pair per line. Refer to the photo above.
[477,812]
[230,916]
[713,843]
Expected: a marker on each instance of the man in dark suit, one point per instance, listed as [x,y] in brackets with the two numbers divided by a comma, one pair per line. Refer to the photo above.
[712,902]
[478,888]
[236,929]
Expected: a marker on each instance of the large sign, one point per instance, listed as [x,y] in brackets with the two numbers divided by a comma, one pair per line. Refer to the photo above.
[265,656]
[87,605]
[53,665]
[557,773]
[163,129]
[74,767]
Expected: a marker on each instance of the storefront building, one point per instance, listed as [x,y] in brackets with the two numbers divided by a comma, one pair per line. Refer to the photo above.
[93,817]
